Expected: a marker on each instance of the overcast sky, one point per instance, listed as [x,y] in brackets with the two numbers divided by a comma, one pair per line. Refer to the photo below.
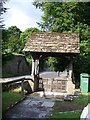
[22,14]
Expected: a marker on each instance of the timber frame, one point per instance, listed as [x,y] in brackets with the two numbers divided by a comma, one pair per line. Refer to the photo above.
[44,44]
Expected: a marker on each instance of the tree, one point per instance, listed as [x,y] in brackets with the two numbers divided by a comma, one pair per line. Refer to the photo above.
[61,17]
[25,35]
[2,10]
[11,40]
[69,17]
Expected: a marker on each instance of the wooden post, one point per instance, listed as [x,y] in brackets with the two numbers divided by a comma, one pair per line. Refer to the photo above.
[35,70]
[22,88]
[0,101]
[36,77]
[70,69]
[33,67]
[37,67]
[70,85]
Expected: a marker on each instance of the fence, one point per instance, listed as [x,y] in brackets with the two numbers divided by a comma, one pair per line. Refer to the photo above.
[10,84]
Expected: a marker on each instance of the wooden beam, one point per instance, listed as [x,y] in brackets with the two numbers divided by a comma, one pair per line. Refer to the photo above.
[53,54]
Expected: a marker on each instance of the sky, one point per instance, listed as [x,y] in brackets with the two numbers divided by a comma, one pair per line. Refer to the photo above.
[21,13]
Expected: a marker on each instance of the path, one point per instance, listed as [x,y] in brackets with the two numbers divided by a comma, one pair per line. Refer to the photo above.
[31,107]
[53,74]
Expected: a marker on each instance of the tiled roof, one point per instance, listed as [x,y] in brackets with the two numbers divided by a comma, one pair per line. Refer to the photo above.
[53,42]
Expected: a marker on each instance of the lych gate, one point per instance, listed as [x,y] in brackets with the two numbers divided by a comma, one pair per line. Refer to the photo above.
[44,44]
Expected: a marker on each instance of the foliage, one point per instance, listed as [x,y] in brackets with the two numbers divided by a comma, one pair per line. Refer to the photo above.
[11,40]
[14,40]
[24,37]
[13,43]
[63,17]
[69,17]
[2,10]
[83,59]
[26,34]
[29,59]
[52,63]
[58,64]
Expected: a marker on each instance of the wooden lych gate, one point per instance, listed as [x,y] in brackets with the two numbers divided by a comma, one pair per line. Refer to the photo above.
[44,44]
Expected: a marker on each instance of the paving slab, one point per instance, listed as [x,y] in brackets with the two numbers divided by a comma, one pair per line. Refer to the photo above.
[48,104]
[31,107]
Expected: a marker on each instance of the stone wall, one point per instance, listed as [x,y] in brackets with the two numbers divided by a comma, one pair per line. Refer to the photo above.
[16,66]
[54,85]
[54,82]
[57,85]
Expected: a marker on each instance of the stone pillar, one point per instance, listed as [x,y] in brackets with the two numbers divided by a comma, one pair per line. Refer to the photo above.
[0,101]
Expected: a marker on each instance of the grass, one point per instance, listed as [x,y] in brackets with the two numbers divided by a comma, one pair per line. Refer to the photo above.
[67,115]
[9,99]
[83,100]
